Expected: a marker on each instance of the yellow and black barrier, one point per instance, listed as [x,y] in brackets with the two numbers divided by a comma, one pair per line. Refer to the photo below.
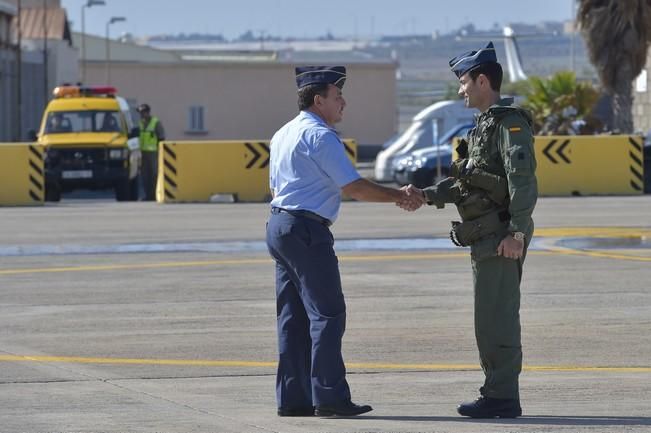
[589,164]
[22,175]
[203,171]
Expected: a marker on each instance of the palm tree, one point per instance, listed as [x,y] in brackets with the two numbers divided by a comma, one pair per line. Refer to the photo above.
[560,100]
[617,33]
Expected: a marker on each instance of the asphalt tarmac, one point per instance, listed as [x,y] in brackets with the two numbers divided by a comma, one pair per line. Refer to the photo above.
[140,317]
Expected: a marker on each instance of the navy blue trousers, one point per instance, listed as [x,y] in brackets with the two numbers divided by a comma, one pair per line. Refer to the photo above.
[311,313]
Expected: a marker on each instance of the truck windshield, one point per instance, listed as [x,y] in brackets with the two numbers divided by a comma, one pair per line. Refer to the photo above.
[83,121]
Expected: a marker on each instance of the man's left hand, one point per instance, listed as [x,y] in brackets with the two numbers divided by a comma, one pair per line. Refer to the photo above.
[510,248]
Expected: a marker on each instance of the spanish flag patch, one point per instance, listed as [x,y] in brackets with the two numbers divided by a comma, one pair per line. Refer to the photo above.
[515,129]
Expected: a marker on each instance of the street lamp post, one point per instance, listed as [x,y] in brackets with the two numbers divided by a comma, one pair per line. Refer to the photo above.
[88,4]
[19,74]
[108,46]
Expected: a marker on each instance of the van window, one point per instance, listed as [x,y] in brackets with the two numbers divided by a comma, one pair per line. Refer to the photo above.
[83,121]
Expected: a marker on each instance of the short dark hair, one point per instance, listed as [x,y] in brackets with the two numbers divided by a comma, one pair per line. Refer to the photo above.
[307,93]
[492,71]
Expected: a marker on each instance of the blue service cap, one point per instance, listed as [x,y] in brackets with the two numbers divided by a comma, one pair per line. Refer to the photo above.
[306,75]
[471,59]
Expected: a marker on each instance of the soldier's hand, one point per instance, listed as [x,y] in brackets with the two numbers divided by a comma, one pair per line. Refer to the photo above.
[510,248]
[412,198]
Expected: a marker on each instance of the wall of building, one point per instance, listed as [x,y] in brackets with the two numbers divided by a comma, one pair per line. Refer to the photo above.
[642,99]
[248,100]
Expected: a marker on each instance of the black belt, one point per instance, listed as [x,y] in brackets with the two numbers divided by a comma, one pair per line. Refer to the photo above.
[304,214]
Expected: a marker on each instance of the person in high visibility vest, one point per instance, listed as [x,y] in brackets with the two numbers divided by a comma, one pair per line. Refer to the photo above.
[151,133]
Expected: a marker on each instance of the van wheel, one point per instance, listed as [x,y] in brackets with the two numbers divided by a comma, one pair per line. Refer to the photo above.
[52,192]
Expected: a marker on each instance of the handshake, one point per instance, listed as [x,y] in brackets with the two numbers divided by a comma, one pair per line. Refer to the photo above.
[411,198]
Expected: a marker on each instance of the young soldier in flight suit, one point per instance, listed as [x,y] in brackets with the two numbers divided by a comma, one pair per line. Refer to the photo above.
[493,185]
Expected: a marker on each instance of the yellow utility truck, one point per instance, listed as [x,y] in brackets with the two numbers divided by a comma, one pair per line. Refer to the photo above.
[90,141]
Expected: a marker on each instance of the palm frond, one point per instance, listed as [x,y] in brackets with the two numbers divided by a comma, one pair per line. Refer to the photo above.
[617,33]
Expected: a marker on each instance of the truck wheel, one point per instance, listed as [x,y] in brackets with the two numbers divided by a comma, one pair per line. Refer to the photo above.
[134,188]
[52,192]
[122,190]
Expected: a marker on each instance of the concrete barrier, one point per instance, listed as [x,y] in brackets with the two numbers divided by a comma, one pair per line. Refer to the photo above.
[588,164]
[22,176]
[204,171]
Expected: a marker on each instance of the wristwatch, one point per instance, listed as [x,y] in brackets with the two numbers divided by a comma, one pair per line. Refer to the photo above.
[518,236]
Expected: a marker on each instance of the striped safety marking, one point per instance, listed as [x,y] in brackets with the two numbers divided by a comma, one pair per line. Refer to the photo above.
[350,151]
[258,150]
[170,184]
[637,167]
[36,174]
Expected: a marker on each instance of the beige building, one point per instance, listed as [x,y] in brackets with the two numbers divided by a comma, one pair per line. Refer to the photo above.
[236,97]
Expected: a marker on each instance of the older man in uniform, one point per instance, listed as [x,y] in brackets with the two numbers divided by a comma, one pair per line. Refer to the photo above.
[308,170]
[494,186]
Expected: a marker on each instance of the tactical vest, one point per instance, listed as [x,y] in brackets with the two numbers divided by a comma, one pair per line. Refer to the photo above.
[148,137]
[483,195]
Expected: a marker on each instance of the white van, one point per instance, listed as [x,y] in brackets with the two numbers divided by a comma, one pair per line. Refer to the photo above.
[426,130]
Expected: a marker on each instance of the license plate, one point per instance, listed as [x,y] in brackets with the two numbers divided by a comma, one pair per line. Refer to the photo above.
[77,174]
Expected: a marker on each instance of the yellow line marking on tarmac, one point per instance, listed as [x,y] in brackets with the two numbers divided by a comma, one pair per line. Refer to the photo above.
[592,232]
[135,266]
[357,365]
[369,258]
[599,254]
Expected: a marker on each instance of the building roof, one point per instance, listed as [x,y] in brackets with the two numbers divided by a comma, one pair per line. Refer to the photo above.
[55,19]
[294,51]
[95,47]
[7,7]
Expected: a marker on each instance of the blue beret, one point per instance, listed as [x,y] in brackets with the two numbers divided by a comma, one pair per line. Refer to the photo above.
[306,75]
[471,59]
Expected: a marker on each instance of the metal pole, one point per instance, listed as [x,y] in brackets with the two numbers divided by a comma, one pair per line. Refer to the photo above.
[19,72]
[83,44]
[108,55]
[108,46]
[574,29]
[45,56]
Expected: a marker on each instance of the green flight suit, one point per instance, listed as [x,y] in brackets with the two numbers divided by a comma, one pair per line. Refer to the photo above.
[501,144]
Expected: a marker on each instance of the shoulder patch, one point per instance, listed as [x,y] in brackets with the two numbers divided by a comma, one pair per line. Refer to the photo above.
[515,129]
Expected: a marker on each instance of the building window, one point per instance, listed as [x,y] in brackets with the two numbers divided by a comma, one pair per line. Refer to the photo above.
[195,119]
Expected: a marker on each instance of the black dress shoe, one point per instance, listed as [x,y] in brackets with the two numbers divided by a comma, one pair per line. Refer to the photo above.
[486,407]
[346,408]
[296,411]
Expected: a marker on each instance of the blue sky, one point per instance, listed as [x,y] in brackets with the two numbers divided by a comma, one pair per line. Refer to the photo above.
[303,18]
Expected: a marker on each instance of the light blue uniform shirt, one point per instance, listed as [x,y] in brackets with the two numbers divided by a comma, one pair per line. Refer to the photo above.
[308,166]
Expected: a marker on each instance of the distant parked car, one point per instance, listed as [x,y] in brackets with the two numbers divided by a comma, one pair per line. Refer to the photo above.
[427,128]
[420,167]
